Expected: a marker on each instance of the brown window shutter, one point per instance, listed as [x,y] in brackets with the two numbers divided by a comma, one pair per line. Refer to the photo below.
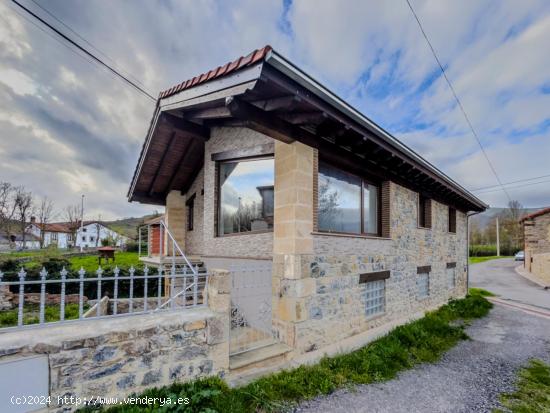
[428,212]
[452,219]
[315,190]
[216,198]
[385,208]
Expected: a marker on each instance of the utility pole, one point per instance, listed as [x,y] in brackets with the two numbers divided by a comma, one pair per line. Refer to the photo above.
[81,220]
[498,240]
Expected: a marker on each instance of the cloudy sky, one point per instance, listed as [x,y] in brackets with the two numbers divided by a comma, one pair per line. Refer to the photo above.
[68,126]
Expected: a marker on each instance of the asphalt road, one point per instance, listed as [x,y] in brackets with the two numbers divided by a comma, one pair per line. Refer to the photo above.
[499,277]
[471,376]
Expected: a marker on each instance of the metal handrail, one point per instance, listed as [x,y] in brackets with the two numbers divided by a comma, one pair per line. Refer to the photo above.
[176,246]
[162,248]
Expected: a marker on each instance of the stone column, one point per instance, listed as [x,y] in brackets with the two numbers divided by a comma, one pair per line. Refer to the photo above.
[218,327]
[293,239]
[174,218]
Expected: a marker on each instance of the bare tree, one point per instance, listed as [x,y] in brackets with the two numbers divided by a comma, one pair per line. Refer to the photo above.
[510,222]
[23,201]
[7,207]
[44,212]
[73,217]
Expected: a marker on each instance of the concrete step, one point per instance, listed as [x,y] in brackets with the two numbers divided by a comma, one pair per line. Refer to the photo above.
[257,356]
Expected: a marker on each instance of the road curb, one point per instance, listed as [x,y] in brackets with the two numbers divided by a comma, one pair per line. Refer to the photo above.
[533,310]
[528,276]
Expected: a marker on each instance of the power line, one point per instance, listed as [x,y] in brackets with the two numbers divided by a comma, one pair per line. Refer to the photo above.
[81,48]
[509,183]
[88,42]
[517,186]
[458,100]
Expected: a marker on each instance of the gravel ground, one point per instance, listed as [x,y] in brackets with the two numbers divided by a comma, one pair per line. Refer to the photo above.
[468,378]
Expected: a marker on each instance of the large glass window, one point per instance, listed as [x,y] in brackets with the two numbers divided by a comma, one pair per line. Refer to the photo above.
[246,196]
[346,203]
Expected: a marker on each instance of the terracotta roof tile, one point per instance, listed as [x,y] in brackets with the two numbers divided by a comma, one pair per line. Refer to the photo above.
[536,214]
[227,68]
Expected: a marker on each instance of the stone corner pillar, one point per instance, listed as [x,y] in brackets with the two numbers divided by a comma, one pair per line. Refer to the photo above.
[218,295]
[293,238]
[174,218]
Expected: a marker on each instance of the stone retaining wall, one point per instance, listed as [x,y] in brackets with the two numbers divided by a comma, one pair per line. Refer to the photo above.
[115,357]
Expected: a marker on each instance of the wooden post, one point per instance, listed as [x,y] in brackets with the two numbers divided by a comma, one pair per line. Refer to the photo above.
[498,240]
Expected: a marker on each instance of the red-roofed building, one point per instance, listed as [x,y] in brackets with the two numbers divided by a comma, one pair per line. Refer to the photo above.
[257,163]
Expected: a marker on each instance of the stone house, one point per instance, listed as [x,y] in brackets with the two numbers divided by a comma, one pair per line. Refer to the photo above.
[258,163]
[536,234]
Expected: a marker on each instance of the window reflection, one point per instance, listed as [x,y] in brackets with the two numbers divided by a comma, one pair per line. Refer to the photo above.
[339,200]
[246,196]
[346,203]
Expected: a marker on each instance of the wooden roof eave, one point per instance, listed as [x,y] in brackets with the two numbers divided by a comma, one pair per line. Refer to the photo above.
[280,70]
[235,84]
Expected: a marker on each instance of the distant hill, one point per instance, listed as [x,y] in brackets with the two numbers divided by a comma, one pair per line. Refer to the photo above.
[128,226]
[485,218]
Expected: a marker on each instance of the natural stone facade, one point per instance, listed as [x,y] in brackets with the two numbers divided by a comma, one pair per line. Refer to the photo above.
[319,298]
[536,231]
[540,268]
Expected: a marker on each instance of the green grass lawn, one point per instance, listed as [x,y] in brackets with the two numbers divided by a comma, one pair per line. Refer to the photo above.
[31,314]
[533,390]
[476,260]
[123,260]
[420,341]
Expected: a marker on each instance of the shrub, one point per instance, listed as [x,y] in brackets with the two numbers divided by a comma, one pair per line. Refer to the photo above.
[491,250]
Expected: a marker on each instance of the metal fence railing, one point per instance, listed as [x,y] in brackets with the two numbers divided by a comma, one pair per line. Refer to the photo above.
[251,312]
[68,296]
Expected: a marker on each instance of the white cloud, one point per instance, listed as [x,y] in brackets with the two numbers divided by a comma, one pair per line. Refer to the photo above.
[70,126]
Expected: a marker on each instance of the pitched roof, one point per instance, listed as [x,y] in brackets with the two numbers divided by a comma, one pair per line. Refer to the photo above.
[226,69]
[55,226]
[276,78]
[543,211]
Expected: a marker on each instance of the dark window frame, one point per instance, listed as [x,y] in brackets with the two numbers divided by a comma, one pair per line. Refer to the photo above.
[451,222]
[190,203]
[424,207]
[217,209]
[364,181]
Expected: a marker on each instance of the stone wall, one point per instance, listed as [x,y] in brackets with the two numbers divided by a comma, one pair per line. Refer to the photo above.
[540,268]
[537,237]
[318,299]
[6,298]
[115,357]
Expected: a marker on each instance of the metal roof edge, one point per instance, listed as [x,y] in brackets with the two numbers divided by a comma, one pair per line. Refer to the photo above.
[285,66]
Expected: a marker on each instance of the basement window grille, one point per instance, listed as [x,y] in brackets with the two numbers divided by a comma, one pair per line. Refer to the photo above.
[423,285]
[375,297]
[451,275]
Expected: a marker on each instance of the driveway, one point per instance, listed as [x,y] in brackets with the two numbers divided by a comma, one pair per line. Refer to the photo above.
[469,378]
[499,277]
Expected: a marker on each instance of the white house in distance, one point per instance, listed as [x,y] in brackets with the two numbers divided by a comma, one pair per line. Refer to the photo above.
[88,235]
